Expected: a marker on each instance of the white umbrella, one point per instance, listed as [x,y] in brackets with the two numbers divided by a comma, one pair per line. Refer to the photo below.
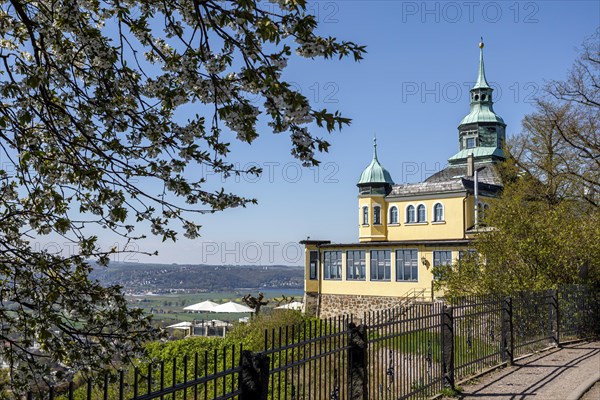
[181,325]
[294,305]
[204,306]
[231,307]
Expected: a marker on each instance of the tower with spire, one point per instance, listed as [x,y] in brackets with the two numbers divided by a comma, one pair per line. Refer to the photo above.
[482,132]
[375,179]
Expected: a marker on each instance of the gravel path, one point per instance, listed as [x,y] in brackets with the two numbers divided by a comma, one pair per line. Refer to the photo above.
[553,375]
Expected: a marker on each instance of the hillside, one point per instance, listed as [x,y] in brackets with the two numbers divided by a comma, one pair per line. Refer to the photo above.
[210,277]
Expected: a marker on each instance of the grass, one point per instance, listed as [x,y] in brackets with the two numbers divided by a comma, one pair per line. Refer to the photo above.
[422,342]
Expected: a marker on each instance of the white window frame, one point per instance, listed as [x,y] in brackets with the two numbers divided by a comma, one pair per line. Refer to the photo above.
[433,216]
[328,265]
[406,219]
[417,220]
[390,215]
[375,222]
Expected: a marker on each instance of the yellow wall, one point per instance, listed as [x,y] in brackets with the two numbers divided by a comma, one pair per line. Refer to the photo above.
[376,288]
[458,217]
[310,285]
[450,228]
[372,232]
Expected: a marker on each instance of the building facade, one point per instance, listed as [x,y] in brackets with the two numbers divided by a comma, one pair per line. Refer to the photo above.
[404,230]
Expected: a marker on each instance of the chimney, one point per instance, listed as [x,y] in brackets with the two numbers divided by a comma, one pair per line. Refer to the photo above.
[470,165]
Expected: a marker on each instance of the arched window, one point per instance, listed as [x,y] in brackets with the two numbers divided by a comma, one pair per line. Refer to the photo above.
[438,212]
[365,212]
[394,215]
[410,214]
[376,215]
[421,213]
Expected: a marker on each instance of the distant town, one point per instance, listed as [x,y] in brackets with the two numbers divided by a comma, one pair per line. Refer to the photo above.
[142,278]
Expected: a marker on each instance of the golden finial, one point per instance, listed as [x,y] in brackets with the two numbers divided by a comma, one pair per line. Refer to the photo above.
[481,43]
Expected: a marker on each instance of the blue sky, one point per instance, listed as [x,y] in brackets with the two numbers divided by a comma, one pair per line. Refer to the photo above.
[411,90]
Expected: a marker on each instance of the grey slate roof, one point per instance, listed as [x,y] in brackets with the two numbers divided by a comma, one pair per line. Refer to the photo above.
[487,173]
[409,189]
[453,179]
[478,152]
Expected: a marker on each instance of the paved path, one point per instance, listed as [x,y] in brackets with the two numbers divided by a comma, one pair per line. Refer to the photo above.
[593,393]
[558,374]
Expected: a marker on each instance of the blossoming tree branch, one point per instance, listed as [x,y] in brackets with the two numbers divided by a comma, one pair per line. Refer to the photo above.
[90,96]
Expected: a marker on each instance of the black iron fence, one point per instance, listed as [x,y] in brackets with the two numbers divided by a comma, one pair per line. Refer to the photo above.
[412,352]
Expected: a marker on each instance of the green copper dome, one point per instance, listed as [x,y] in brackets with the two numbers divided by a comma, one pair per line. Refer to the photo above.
[481,113]
[375,173]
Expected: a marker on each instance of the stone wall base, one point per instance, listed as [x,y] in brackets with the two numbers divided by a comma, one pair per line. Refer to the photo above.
[333,305]
[311,303]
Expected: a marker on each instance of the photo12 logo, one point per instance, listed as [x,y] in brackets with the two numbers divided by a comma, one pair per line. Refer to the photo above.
[324,12]
[277,172]
[413,171]
[453,12]
[118,252]
[454,92]
[315,92]
[251,253]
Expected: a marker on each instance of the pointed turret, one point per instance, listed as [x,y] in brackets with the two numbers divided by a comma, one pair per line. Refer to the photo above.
[482,131]
[375,179]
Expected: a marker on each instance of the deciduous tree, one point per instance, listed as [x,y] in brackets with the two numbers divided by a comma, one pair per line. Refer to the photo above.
[102,101]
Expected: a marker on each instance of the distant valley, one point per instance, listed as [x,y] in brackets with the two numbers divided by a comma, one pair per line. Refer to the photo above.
[165,277]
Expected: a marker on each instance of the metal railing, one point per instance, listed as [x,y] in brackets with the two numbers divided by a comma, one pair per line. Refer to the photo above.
[402,353]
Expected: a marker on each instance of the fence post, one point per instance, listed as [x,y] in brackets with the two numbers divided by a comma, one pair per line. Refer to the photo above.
[556,321]
[507,331]
[358,373]
[448,346]
[254,376]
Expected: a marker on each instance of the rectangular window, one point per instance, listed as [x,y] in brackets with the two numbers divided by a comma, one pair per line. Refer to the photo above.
[376,215]
[464,253]
[332,265]
[407,266]
[442,258]
[380,265]
[313,264]
[355,265]
[471,142]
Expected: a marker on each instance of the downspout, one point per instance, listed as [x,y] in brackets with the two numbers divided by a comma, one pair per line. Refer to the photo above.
[464,215]
[320,281]
[476,202]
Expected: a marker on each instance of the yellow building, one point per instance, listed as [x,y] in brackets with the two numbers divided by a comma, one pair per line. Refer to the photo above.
[404,230]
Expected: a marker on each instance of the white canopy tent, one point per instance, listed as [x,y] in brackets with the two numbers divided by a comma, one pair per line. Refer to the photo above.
[294,305]
[231,307]
[203,306]
[181,325]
